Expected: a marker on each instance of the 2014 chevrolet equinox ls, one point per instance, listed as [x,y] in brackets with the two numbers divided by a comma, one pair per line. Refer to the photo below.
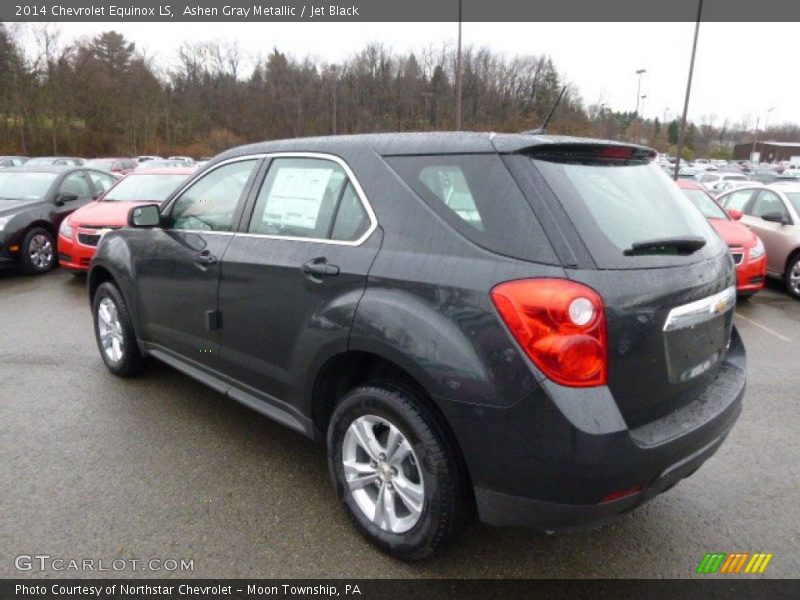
[538,327]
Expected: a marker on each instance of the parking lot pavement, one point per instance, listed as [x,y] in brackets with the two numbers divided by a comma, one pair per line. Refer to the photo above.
[92,466]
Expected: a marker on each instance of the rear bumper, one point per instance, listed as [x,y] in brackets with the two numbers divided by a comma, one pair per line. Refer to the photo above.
[496,508]
[553,464]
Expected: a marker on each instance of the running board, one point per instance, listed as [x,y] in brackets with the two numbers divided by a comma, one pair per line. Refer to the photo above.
[269,409]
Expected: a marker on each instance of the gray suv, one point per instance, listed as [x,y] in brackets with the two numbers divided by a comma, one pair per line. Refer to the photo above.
[537,329]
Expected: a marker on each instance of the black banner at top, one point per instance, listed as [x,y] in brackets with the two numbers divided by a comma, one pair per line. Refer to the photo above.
[397,10]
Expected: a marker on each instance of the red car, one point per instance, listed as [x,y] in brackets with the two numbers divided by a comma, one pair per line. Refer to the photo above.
[746,247]
[80,233]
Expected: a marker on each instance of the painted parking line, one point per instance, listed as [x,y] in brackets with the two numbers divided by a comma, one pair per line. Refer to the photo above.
[767,329]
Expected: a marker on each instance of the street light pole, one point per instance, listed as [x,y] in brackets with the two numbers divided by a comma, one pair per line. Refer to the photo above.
[766,121]
[688,89]
[639,72]
[755,138]
[644,97]
[458,72]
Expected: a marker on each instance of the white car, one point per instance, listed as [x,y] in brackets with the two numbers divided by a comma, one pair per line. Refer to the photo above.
[704,164]
[187,159]
[710,181]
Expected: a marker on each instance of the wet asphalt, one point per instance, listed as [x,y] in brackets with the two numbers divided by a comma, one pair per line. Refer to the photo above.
[160,467]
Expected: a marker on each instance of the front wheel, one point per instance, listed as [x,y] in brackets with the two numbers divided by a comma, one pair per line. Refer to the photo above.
[114,333]
[792,276]
[38,251]
[395,471]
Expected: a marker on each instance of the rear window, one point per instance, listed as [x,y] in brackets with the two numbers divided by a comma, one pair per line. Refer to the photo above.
[476,195]
[615,205]
[709,208]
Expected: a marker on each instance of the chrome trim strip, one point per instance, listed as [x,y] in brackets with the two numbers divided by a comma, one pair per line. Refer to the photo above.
[701,310]
[319,155]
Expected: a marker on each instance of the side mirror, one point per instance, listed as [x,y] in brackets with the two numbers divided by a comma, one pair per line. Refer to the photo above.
[734,214]
[65,197]
[775,217]
[147,215]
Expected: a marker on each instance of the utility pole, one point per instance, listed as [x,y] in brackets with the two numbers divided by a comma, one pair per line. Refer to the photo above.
[458,72]
[333,111]
[688,89]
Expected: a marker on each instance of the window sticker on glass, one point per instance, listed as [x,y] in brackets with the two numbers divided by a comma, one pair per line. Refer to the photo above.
[296,197]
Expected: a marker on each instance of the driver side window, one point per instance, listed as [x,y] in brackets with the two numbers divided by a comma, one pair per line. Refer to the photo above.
[76,183]
[768,202]
[210,203]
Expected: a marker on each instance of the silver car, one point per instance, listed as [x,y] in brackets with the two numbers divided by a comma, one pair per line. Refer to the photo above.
[773,212]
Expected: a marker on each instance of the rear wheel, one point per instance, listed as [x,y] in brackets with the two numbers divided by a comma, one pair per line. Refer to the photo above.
[114,333]
[38,253]
[395,472]
[791,277]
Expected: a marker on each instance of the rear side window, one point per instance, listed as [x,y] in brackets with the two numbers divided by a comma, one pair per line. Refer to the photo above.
[476,195]
[311,198]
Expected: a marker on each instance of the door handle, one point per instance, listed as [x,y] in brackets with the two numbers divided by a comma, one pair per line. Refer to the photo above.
[318,268]
[205,258]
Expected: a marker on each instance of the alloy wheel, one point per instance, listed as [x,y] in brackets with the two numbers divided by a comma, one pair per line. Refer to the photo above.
[794,278]
[40,251]
[109,329]
[383,474]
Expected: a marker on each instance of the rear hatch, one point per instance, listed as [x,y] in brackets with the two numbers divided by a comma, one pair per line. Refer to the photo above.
[666,278]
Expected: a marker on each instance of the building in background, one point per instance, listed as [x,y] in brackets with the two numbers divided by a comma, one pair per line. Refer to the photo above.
[768,151]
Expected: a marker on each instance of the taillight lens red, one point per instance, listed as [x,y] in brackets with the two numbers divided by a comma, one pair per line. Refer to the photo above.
[561,326]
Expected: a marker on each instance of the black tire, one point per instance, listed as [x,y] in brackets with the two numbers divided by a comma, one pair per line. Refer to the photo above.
[40,242]
[130,362]
[445,509]
[791,264]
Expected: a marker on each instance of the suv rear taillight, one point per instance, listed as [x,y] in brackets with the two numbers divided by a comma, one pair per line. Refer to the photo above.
[561,326]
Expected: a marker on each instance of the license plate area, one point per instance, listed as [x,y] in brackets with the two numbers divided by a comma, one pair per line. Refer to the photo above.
[697,335]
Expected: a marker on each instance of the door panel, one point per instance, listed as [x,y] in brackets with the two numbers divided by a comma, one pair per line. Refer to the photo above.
[277,319]
[177,291]
[772,234]
[290,285]
[178,271]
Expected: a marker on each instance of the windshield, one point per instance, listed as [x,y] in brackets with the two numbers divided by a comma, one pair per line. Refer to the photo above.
[144,188]
[707,206]
[794,198]
[25,186]
[618,206]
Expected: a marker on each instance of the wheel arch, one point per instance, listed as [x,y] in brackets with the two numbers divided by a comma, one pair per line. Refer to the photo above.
[347,370]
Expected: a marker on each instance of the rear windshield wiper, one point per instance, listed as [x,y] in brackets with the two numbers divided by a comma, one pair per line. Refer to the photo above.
[676,245]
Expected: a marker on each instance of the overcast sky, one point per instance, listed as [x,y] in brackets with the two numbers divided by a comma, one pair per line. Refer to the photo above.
[742,69]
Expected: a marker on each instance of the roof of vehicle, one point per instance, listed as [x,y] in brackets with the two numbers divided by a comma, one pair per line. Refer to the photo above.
[26,168]
[164,171]
[56,158]
[430,142]
[791,186]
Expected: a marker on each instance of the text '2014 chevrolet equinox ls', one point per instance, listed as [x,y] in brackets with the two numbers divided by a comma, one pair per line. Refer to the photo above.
[537,327]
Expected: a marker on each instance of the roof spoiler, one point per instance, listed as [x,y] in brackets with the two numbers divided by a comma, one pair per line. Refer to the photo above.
[543,127]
